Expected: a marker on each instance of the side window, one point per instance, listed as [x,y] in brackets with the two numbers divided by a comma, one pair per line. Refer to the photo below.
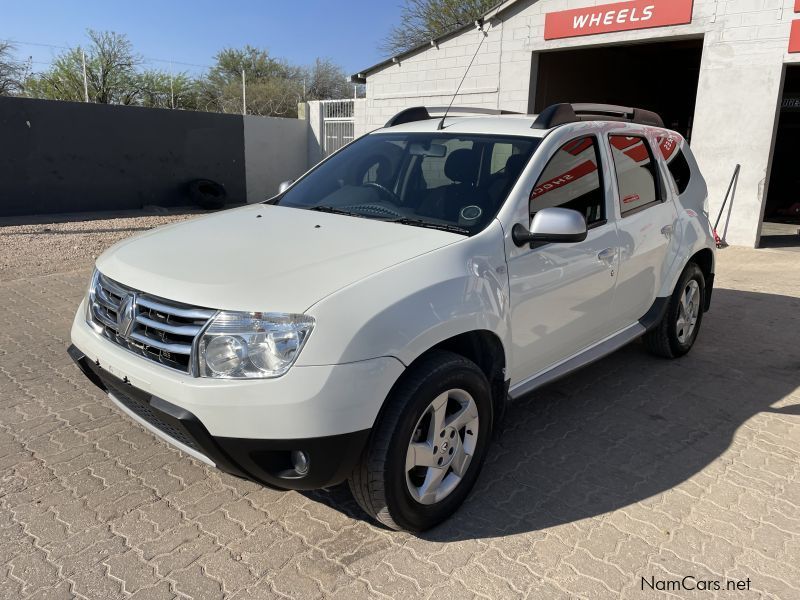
[636,172]
[572,180]
[676,161]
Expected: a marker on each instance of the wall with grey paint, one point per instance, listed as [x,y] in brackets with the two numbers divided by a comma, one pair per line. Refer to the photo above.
[275,150]
[60,157]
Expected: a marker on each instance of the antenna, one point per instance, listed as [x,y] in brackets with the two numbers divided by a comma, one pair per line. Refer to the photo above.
[479,25]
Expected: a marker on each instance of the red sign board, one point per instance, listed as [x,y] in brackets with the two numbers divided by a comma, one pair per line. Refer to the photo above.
[620,16]
[794,38]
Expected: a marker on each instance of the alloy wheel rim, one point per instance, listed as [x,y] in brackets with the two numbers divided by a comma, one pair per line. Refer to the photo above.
[442,446]
[688,312]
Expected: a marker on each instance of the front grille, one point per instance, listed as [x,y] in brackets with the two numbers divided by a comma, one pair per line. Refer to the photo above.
[160,330]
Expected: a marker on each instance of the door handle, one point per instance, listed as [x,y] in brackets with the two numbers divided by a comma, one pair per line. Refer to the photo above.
[607,256]
[667,230]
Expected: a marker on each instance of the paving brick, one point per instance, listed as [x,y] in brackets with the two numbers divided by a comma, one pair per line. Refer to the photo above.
[633,467]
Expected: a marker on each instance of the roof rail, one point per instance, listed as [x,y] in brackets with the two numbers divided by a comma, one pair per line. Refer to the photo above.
[561,114]
[423,113]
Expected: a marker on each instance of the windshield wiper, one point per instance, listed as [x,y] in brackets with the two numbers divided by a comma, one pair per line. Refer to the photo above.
[335,211]
[427,224]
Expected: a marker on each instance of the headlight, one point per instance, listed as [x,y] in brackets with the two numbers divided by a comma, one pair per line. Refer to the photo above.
[90,300]
[252,345]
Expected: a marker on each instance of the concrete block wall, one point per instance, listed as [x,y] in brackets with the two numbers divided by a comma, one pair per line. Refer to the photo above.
[745,48]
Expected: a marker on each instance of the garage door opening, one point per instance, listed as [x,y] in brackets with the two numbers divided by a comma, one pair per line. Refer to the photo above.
[781,226]
[658,76]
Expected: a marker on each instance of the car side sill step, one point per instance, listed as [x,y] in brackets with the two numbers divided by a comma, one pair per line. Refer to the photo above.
[593,353]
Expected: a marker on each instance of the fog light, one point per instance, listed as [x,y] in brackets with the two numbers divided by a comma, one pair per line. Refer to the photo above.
[300,462]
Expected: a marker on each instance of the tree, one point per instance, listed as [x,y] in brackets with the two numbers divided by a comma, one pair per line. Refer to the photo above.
[326,80]
[424,20]
[273,85]
[158,89]
[111,70]
[12,71]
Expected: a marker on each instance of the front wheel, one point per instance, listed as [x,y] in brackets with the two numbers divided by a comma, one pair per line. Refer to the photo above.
[428,446]
[675,335]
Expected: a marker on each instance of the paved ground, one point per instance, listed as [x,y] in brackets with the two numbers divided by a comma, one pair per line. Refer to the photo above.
[635,468]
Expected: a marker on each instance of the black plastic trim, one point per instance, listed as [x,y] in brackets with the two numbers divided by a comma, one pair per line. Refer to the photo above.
[556,115]
[332,458]
[709,291]
[423,113]
[655,315]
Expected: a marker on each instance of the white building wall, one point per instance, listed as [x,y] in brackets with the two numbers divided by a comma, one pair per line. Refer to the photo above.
[745,47]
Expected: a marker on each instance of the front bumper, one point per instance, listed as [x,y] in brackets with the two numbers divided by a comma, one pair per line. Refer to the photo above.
[306,402]
[331,458]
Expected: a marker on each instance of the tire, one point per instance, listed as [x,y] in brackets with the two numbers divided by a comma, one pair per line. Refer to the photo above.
[670,338]
[207,194]
[381,484]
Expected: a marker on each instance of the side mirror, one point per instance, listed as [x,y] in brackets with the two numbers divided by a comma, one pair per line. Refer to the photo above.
[285,185]
[552,225]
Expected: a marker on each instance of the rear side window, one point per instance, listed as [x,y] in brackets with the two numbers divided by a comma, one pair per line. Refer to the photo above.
[572,180]
[676,161]
[637,177]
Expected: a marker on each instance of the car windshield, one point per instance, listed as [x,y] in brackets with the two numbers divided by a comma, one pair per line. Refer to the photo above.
[453,182]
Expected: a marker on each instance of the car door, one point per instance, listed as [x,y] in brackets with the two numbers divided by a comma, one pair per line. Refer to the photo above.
[561,293]
[647,221]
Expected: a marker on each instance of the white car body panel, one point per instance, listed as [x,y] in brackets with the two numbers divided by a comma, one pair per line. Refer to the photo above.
[406,310]
[284,261]
[561,294]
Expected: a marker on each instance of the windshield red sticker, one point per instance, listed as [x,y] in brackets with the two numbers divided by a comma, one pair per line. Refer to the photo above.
[570,176]
[620,16]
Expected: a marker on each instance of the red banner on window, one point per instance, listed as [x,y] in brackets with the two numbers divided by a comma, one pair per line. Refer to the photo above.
[620,16]
[794,38]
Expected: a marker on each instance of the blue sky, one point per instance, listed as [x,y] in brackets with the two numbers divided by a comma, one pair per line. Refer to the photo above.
[192,31]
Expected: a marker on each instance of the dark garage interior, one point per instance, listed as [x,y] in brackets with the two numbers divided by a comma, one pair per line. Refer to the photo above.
[781,225]
[658,76]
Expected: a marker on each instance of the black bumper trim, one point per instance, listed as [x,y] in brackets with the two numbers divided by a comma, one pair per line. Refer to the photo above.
[332,458]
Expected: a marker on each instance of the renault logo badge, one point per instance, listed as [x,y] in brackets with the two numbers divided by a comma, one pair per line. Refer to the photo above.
[126,316]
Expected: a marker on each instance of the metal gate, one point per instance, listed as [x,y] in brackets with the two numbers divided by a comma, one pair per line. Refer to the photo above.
[338,124]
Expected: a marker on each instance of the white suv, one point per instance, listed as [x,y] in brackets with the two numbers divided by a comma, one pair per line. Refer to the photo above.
[372,321]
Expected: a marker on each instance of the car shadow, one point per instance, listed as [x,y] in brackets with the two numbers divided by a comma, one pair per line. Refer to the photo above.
[630,426]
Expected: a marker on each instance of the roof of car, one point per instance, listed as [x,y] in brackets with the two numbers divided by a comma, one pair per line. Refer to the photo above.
[477,120]
[514,125]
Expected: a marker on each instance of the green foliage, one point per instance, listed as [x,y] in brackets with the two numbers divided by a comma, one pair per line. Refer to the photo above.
[111,70]
[424,20]
[115,75]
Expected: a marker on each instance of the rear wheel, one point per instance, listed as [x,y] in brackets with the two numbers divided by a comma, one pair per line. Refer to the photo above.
[675,335]
[427,448]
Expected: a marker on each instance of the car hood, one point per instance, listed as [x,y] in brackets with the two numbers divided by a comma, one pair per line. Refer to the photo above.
[263,257]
